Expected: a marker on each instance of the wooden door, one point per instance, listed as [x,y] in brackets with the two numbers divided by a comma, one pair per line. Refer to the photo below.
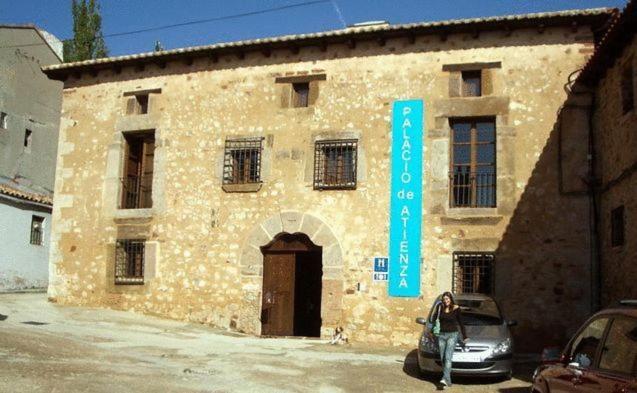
[277,309]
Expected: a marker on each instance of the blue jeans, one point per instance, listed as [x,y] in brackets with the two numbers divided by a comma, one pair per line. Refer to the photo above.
[446,345]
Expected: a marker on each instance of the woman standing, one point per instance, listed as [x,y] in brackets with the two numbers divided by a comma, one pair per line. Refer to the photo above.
[447,312]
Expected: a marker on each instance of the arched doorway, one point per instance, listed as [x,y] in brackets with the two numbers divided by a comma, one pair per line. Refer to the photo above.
[292,285]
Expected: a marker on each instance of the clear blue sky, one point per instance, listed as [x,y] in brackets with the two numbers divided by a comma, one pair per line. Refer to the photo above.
[127,15]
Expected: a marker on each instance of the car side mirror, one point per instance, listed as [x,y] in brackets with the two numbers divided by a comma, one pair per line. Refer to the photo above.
[551,355]
[512,322]
[421,321]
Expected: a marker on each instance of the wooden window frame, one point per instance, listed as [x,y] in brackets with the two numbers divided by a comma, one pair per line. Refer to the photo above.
[475,186]
[617,226]
[242,161]
[37,230]
[324,176]
[479,260]
[137,179]
[130,255]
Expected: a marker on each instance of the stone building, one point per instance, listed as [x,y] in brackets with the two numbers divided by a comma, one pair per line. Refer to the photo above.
[605,94]
[247,184]
[29,123]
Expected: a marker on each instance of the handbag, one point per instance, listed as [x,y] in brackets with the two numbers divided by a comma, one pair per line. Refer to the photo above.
[436,328]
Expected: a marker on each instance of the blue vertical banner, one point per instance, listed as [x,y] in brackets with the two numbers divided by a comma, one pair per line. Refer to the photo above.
[406,198]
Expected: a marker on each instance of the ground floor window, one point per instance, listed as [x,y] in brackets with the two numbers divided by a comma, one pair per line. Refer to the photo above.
[37,230]
[129,261]
[473,272]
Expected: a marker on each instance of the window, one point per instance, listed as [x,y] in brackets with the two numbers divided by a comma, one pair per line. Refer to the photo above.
[137,181]
[472,83]
[137,104]
[242,161]
[617,226]
[473,272]
[3,120]
[28,139]
[473,170]
[628,94]
[37,230]
[129,261]
[335,164]
[620,348]
[584,347]
[300,94]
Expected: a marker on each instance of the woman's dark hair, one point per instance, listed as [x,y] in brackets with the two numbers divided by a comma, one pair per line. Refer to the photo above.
[450,296]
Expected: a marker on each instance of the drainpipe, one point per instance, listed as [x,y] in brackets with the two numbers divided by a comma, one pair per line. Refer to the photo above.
[593,193]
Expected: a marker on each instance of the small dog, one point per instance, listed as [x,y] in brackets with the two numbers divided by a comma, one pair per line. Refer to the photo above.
[338,338]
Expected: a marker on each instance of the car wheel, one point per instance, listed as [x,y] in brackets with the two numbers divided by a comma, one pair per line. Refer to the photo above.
[508,376]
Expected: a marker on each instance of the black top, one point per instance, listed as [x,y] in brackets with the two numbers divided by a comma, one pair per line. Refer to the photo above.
[449,321]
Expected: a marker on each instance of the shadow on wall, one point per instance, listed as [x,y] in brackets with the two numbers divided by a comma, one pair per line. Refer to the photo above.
[543,262]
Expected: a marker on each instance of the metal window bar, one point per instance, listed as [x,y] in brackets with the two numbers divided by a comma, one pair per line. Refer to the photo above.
[36,230]
[242,161]
[473,273]
[335,164]
[129,261]
[470,189]
[137,192]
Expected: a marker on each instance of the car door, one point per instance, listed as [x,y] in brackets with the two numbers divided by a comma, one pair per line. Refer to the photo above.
[582,353]
[618,357]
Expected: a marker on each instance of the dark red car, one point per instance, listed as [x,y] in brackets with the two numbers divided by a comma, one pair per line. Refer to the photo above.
[601,356]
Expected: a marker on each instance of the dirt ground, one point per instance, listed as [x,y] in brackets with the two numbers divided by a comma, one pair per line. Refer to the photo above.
[49,348]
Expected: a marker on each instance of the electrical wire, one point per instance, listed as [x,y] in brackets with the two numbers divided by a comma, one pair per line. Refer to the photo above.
[194,22]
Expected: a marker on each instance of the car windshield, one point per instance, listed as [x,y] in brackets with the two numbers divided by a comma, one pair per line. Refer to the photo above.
[479,312]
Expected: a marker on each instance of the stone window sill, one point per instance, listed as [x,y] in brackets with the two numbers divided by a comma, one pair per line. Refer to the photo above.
[460,212]
[132,214]
[249,187]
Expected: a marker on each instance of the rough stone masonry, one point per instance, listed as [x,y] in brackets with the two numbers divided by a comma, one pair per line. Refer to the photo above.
[203,260]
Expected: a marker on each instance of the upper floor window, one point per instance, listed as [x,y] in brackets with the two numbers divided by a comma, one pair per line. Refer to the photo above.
[300,94]
[242,161]
[3,120]
[28,139]
[137,181]
[473,166]
[617,226]
[472,83]
[335,164]
[37,230]
[299,91]
[137,105]
[129,261]
[627,88]
[473,272]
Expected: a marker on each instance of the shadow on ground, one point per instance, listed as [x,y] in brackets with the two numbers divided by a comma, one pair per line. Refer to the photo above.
[521,371]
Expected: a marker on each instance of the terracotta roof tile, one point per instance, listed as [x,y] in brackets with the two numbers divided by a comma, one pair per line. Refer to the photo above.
[29,196]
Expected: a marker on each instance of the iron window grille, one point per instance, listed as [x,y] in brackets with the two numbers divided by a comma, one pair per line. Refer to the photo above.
[473,163]
[37,230]
[335,164]
[473,272]
[617,226]
[137,182]
[242,161]
[129,261]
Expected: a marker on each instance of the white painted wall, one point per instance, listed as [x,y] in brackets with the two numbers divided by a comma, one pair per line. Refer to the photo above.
[22,265]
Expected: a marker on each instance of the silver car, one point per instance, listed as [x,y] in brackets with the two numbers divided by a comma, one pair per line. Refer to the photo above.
[489,351]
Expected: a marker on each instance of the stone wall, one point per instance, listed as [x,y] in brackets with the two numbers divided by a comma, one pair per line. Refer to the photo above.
[205,260]
[616,144]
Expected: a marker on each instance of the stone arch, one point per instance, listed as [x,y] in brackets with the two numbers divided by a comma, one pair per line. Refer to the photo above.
[251,267]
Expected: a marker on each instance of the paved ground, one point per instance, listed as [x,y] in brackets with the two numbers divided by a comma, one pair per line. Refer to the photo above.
[49,348]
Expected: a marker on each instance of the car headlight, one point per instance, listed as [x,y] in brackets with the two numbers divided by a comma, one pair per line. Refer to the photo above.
[503,347]
[428,343]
